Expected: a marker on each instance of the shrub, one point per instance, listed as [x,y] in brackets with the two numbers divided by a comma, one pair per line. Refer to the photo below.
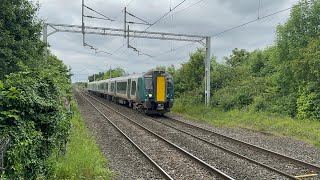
[33,116]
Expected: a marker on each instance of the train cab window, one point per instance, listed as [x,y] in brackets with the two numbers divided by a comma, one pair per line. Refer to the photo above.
[169,83]
[148,83]
[133,88]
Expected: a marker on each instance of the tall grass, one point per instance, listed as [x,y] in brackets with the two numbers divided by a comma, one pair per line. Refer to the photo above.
[306,130]
[83,159]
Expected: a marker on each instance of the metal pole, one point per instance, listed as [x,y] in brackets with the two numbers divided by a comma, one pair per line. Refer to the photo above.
[83,35]
[207,71]
[128,38]
[125,21]
[45,38]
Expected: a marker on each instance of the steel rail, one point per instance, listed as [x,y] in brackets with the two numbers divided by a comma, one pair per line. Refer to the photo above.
[167,176]
[228,151]
[292,160]
[208,166]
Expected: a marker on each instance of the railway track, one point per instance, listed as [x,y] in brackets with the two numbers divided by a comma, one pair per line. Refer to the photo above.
[196,168]
[215,162]
[301,169]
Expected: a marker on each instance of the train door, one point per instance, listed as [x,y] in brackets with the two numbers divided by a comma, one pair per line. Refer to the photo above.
[160,86]
[128,88]
[161,89]
[115,87]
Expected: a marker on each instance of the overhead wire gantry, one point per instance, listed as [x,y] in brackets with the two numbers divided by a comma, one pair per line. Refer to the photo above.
[126,32]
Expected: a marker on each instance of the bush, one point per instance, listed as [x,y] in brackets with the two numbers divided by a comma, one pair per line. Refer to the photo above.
[309,102]
[84,159]
[33,116]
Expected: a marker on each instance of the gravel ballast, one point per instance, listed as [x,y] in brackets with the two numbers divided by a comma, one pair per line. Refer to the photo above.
[284,145]
[176,164]
[231,165]
[123,158]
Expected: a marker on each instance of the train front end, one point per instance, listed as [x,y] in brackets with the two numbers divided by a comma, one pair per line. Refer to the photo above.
[158,92]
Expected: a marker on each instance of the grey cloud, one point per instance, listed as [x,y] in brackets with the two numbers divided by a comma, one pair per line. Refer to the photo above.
[205,18]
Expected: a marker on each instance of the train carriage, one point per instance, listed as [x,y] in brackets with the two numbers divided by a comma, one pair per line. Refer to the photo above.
[151,92]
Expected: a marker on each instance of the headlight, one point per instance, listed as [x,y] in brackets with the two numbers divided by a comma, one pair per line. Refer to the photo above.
[150,95]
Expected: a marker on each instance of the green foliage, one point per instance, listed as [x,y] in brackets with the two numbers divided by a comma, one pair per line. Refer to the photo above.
[32,97]
[190,77]
[161,68]
[20,36]
[306,130]
[117,72]
[307,72]
[281,79]
[299,30]
[34,117]
[35,93]
[171,70]
[83,159]
[298,57]
[309,102]
[237,58]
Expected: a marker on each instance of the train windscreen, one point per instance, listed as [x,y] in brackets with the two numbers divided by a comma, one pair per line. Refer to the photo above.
[148,83]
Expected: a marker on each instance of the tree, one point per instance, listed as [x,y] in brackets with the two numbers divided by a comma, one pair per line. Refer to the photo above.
[20,36]
[171,70]
[161,68]
[299,30]
[237,57]
[307,72]
[293,37]
[33,114]
[190,77]
[117,72]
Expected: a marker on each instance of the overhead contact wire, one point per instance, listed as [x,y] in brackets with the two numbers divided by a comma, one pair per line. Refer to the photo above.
[98,12]
[241,25]
[152,24]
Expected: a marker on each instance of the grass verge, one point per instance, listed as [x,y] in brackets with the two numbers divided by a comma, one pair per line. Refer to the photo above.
[83,159]
[305,130]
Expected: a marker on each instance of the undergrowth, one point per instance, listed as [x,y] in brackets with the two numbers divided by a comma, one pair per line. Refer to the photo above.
[83,159]
[306,130]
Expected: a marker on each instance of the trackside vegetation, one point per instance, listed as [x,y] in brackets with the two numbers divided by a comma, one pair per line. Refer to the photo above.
[83,159]
[303,129]
[276,89]
[35,96]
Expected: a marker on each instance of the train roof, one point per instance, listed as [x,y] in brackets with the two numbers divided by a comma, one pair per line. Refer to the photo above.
[125,77]
[118,78]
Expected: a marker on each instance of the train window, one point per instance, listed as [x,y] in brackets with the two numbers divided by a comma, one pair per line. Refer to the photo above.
[148,83]
[100,87]
[112,87]
[133,88]
[106,86]
[121,87]
[169,83]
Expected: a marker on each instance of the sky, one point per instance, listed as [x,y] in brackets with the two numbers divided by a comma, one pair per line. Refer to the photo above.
[206,18]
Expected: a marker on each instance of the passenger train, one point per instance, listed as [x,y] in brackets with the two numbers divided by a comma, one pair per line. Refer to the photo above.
[151,92]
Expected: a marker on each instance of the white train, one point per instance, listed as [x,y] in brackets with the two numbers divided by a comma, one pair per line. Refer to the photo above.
[151,92]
